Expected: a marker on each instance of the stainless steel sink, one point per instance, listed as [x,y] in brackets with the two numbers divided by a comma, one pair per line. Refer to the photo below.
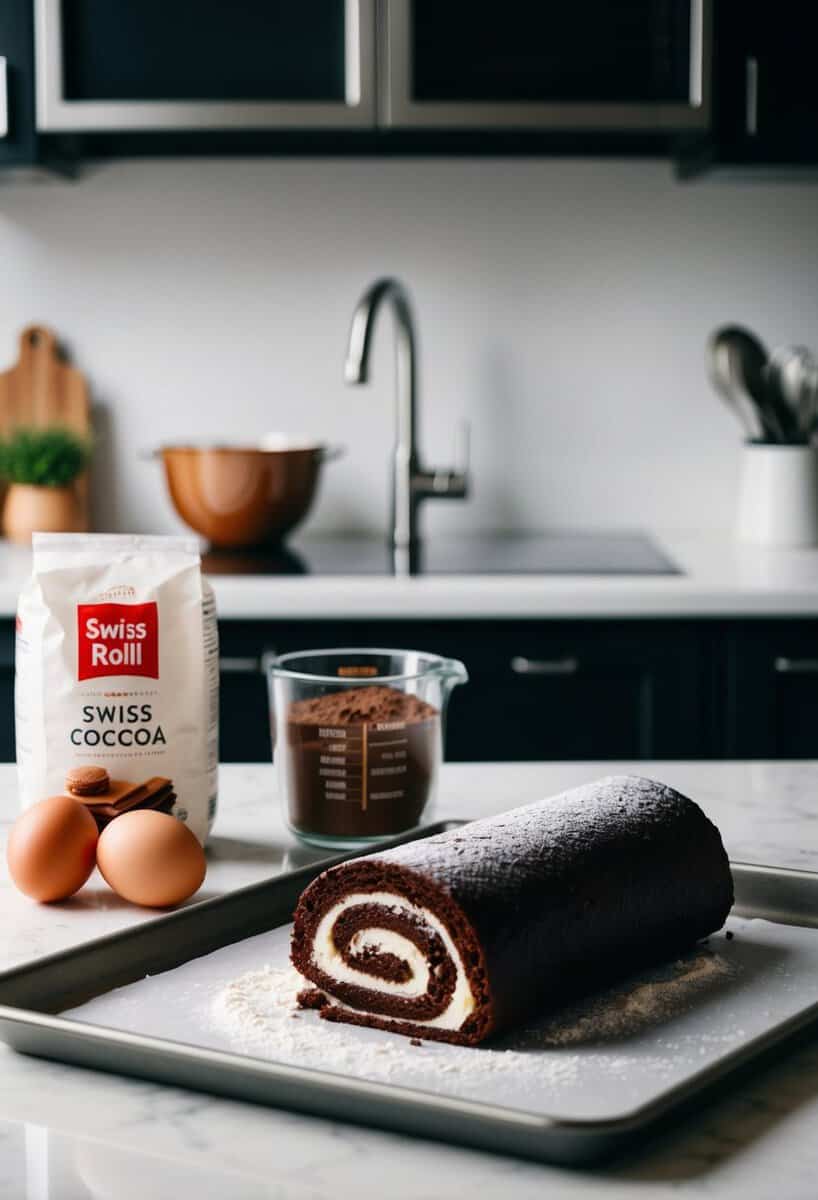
[552,553]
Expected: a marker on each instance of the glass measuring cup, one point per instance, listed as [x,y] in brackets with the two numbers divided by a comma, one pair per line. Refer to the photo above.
[358,739]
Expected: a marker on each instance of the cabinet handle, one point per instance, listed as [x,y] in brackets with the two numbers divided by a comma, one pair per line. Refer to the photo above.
[352,52]
[544,666]
[697,52]
[751,96]
[239,666]
[796,666]
[4,99]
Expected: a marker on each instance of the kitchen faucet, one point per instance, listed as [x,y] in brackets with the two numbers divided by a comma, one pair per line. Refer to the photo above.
[411,483]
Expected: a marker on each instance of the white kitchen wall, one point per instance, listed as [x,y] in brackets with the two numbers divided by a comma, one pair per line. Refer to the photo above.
[562,305]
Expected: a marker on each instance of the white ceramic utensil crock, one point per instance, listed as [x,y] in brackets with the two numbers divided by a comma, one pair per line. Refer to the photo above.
[778,496]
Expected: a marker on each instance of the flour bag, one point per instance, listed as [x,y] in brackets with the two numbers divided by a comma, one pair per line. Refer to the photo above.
[117,668]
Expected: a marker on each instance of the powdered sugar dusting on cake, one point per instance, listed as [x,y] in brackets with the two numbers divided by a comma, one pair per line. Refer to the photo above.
[615,801]
[526,841]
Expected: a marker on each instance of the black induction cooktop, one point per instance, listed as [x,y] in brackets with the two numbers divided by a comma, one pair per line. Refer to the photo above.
[552,553]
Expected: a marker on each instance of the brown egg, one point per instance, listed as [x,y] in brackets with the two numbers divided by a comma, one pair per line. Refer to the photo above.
[52,848]
[151,858]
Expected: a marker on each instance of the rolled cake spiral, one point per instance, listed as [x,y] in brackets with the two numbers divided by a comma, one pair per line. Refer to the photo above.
[457,936]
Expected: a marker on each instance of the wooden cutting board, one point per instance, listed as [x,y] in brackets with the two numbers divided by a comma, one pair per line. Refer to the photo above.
[43,389]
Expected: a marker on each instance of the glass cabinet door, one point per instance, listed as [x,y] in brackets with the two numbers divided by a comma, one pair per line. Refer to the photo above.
[539,64]
[204,64]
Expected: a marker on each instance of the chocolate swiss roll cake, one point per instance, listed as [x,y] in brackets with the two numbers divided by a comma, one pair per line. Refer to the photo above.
[457,936]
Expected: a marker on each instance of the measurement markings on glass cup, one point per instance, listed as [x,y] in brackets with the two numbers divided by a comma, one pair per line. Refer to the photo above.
[341,765]
[388,752]
[353,759]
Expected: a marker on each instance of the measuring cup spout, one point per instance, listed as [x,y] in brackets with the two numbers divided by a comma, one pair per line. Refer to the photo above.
[453,673]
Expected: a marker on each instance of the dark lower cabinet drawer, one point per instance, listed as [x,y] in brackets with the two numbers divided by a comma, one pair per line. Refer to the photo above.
[580,691]
[7,691]
[772,690]
[555,689]
[538,689]
[244,731]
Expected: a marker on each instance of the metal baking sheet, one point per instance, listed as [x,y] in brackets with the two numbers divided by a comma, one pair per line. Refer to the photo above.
[582,1099]
[781,894]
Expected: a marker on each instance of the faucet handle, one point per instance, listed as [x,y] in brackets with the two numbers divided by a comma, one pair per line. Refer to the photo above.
[452,484]
[462,448]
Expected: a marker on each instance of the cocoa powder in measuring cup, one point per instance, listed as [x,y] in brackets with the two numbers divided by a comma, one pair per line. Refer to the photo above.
[360,762]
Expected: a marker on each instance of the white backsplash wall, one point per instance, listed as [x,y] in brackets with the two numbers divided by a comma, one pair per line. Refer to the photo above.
[562,308]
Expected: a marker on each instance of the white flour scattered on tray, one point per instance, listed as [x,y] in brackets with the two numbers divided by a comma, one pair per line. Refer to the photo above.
[258,1013]
[619,1013]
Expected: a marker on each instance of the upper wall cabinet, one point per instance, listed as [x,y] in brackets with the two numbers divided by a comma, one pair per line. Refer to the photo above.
[588,65]
[162,65]
[765,104]
[275,65]
[17,136]
[768,100]
[710,81]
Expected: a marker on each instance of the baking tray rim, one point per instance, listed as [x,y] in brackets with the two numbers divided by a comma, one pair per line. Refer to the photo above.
[630,1121]
[318,1084]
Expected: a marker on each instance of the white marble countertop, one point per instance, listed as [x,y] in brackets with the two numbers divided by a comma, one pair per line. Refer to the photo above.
[68,1134]
[719,578]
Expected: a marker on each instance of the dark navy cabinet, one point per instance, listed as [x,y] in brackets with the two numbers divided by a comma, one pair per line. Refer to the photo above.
[353,76]
[767,102]
[171,65]
[590,65]
[707,81]
[591,689]
[764,108]
[537,690]
[576,690]
[18,144]
[771,698]
[551,689]
[6,691]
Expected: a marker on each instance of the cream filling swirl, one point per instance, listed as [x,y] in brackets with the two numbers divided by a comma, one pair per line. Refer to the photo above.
[327,957]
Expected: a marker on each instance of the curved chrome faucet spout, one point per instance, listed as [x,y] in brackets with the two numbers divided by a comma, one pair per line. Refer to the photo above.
[410,484]
[356,368]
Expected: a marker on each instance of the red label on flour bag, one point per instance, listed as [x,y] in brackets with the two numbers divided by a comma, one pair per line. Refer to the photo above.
[117,639]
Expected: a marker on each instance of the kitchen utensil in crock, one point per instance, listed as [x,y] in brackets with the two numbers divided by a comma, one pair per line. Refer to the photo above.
[736,360]
[241,496]
[793,370]
[780,416]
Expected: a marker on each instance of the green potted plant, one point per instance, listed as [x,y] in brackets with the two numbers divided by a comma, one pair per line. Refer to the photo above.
[41,467]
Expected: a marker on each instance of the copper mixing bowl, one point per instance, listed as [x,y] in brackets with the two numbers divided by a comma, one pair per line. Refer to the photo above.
[244,495]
